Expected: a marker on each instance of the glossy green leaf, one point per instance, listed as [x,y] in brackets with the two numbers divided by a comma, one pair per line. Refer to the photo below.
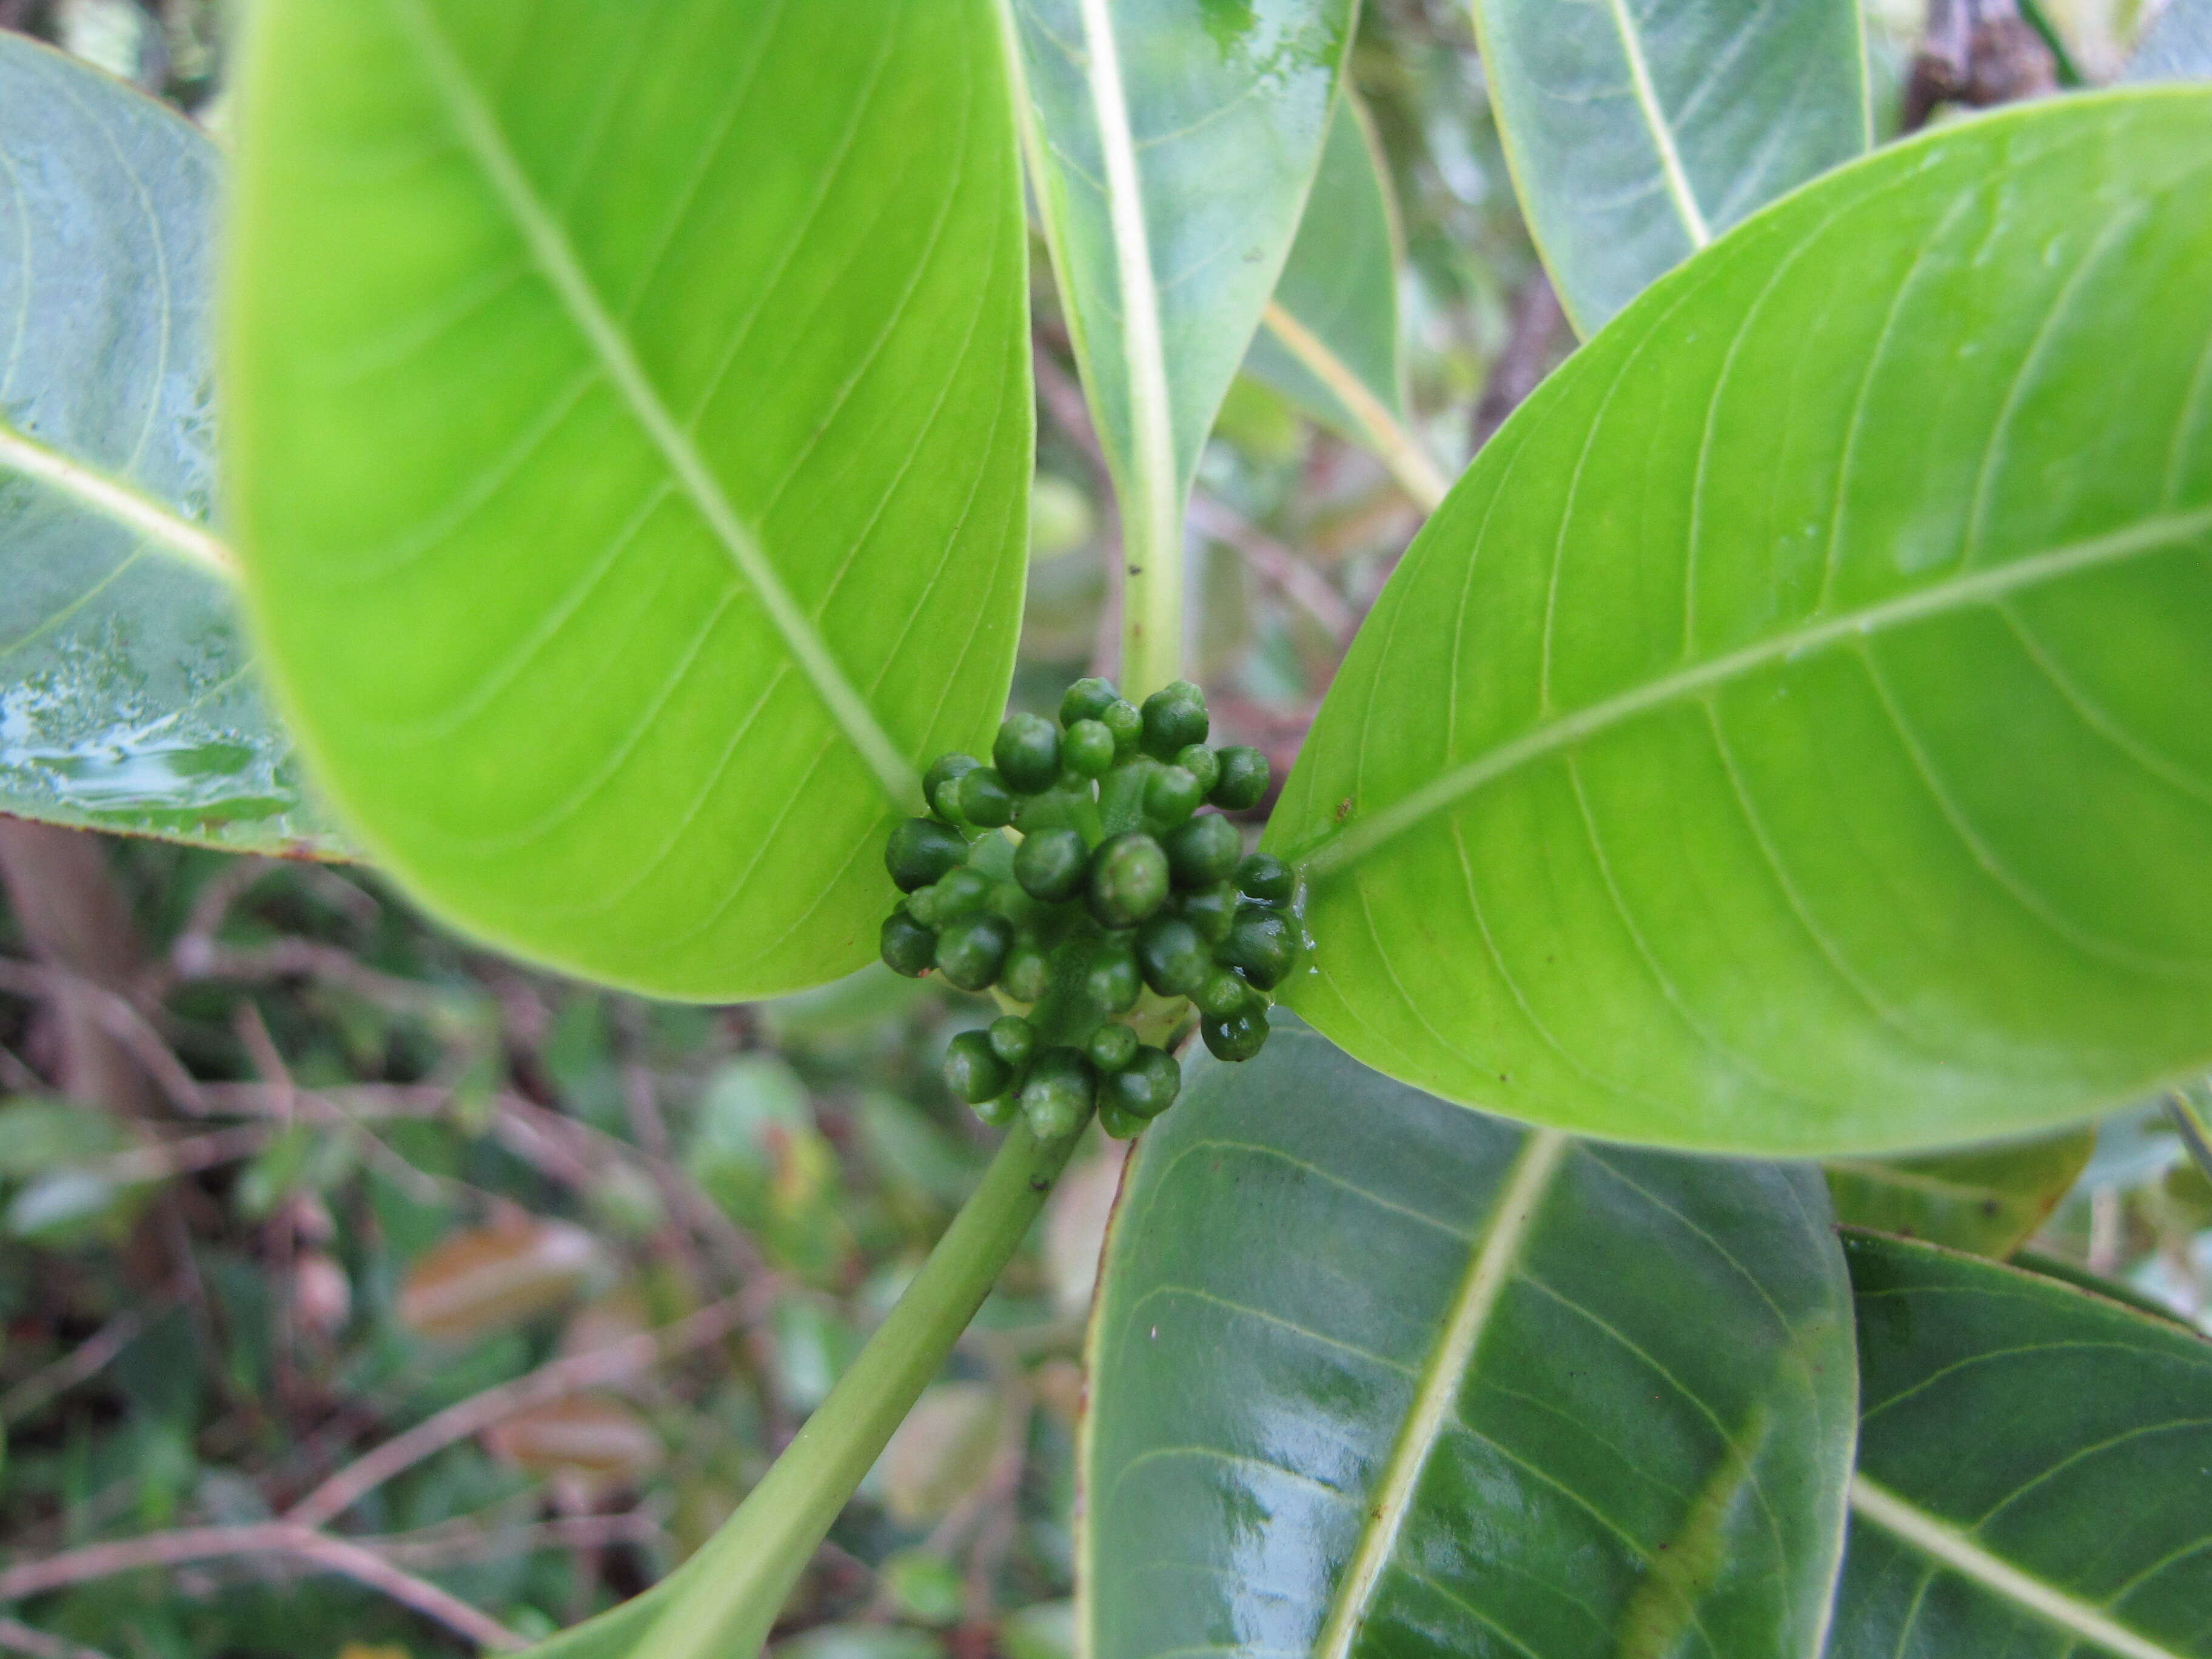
[2031,1469]
[1639,130]
[127,695]
[1790,735]
[630,434]
[1330,339]
[1172,147]
[1370,1374]
[1984,1199]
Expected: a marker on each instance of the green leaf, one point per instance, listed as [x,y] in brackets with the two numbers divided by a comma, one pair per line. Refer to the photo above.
[2177,46]
[1372,1374]
[1790,737]
[2030,1476]
[1638,131]
[1984,1199]
[1330,339]
[630,434]
[1172,147]
[128,700]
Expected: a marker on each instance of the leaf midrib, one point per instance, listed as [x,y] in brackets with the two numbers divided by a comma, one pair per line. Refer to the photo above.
[113,500]
[1677,177]
[1339,848]
[557,261]
[1957,1549]
[1473,1302]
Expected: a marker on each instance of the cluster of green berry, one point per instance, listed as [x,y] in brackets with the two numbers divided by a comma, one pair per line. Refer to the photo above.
[1114,886]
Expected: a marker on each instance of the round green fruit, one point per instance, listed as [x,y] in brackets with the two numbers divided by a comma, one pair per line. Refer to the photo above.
[1088,748]
[1059,1093]
[921,851]
[973,1071]
[1013,1039]
[1261,944]
[1027,753]
[1266,878]
[1242,780]
[908,947]
[1129,880]
[1238,1036]
[1203,851]
[972,951]
[940,784]
[1172,956]
[1147,1086]
[985,801]
[1051,863]
[1111,1046]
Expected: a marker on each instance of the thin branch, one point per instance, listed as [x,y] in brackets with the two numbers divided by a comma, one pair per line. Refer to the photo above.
[2190,1128]
[118,1018]
[83,1363]
[17,1637]
[557,1379]
[449,1545]
[277,1538]
[1275,564]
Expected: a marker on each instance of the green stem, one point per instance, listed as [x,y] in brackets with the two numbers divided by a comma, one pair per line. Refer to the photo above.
[2068,71]
[1151,586]
[2191,1129]
[737,1583]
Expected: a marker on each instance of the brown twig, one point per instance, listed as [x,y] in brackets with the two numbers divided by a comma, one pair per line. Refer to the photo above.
[87,1360]
[116,1016]
[1275,564]
[74,918]
[1531,342]
[556,1379]
[448,1544]
[17,1637]
[274,1538]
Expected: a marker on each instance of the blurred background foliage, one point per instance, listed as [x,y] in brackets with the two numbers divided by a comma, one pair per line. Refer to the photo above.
[363,1295]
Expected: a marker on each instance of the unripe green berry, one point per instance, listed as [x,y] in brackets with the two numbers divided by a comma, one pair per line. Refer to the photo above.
[1210,909]
[972,1072]
[1238,1036]
[1260,943]
[908,947]
[1222,993]
[1088,748]
[1171,795]
[1057,1093]
[961,893]
[1266,878]
[1146,1087]
[1086,700]
[985,801]
[1025,975]
[971,952]
[1050,864]
[1112,1045]
[1203,851]
[1113,982]
[1000,1112]
[921,851]
[1172,956]
[1201,763]
[1242,780]
[1027,753]
[1125,722]
[940,785]
[1129,880]
[1174,716]
[1013,1039]
[1113,1118]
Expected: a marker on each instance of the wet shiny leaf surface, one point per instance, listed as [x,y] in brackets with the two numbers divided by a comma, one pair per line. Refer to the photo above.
[128,699]
[1375,1375]
[1790,737]
[2032,1469]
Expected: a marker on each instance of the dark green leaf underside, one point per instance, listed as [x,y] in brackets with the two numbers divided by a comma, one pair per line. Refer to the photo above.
[2031,1469]
[1790,734]
[127,695]
[1639,129]
[1624,1379]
